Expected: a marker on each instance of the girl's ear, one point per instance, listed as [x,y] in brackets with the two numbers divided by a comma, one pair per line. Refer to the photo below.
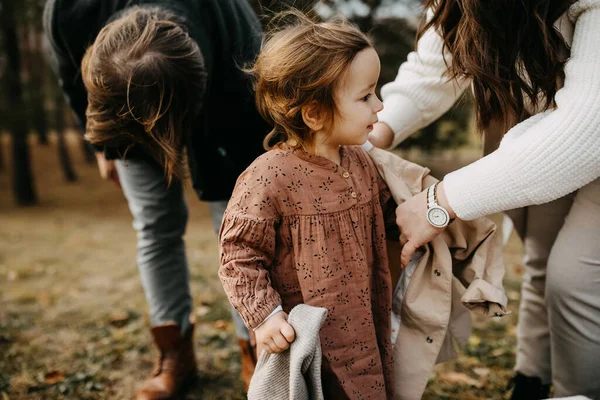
[312,116]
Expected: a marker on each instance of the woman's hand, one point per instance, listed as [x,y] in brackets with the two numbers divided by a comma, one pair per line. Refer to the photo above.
[381,136]
[108,169]
[275,334]
[415,230]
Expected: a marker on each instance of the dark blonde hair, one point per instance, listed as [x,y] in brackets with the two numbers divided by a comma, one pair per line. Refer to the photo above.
[509,48]
[301,63]
[145,80]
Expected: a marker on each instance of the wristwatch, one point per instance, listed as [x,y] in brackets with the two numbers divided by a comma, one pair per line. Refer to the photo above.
[436,214]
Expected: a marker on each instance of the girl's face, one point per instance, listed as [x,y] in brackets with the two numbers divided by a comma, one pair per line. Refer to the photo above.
[356,101]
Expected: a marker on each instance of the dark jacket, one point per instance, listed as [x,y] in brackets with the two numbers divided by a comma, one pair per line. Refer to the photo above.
[227,135]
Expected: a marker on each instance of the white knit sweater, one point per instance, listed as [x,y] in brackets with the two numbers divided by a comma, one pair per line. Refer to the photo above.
[541,159]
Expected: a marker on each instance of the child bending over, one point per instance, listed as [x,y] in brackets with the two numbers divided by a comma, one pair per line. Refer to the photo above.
[307,220]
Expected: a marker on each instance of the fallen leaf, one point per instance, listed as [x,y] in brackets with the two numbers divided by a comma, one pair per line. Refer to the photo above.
[498,352]
[482,372]
[222,325]
[459,377]
[12,275]
[202,311]
[44,299]
[63,389]
[119,320]
[474,340]
[518,269]
[53,377]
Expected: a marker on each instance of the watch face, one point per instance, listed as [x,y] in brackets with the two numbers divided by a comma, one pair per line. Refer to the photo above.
[437,217]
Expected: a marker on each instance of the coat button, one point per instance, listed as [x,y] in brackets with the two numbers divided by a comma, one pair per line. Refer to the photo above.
[346,174]
[429,339]
[353,194]
[437,272]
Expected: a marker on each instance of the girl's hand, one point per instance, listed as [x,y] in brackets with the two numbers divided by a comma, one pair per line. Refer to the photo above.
[275,334]
[415,230]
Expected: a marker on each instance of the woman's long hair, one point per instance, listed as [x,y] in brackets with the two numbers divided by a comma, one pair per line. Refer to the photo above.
[509,48]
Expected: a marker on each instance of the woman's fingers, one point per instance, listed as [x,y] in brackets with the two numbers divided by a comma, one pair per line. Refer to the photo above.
[403,239]
[407,251]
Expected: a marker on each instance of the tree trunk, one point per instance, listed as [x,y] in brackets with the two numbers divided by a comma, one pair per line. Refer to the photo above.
[63,150]
[65,159]
[23,186]
[36,82]
[1,155]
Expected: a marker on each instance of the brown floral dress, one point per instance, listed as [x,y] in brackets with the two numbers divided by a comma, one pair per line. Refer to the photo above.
[302,229]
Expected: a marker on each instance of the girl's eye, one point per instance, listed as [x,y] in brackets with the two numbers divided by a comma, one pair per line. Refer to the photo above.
[366,98]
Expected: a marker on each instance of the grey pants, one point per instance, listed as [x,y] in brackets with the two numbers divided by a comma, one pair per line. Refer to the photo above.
[160,216]
[559,323]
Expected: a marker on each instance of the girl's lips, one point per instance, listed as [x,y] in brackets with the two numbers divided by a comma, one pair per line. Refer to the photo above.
[370,127]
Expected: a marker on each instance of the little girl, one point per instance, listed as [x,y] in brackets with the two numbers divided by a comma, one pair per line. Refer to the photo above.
[307,220]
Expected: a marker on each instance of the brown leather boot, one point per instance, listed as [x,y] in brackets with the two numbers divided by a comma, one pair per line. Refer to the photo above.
[175,368]
[248,356]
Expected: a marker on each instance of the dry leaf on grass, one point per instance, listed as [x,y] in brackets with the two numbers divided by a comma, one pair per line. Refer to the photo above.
[221,325]
[202,311]
[12,275]
[119,320]
[53,377]
[498,352]
[518,269]
[459,377]
[45,299]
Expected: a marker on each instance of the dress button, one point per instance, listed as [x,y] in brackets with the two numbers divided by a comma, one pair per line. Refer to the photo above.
[346,174]
[429,339]
[353,194]
[437,272]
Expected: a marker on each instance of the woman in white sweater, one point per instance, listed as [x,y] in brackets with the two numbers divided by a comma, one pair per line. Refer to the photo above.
[546,170]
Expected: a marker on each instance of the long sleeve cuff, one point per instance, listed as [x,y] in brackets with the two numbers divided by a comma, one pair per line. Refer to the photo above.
[275,311]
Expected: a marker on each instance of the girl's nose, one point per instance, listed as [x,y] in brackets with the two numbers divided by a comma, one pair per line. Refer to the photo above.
[378,105]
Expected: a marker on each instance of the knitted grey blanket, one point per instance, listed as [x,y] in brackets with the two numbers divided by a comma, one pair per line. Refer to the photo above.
[294,374]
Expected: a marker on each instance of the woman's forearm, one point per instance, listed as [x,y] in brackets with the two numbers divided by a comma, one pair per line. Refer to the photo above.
[421,92]
[555,155]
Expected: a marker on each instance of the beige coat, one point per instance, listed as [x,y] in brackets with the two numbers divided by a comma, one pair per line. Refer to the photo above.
[460,270]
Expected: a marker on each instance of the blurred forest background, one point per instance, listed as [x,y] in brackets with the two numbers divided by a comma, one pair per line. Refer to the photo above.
[73,318]
[33,108]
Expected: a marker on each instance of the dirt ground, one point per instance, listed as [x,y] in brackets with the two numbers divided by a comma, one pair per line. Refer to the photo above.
[73,318]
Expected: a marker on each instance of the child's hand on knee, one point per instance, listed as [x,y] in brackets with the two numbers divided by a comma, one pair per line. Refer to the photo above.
[275,334]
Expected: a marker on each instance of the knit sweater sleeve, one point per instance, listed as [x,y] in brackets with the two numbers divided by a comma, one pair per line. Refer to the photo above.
[421,92]
[550,154]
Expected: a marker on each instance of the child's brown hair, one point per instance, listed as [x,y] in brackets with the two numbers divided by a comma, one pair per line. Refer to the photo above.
[145,80]
[299,65]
